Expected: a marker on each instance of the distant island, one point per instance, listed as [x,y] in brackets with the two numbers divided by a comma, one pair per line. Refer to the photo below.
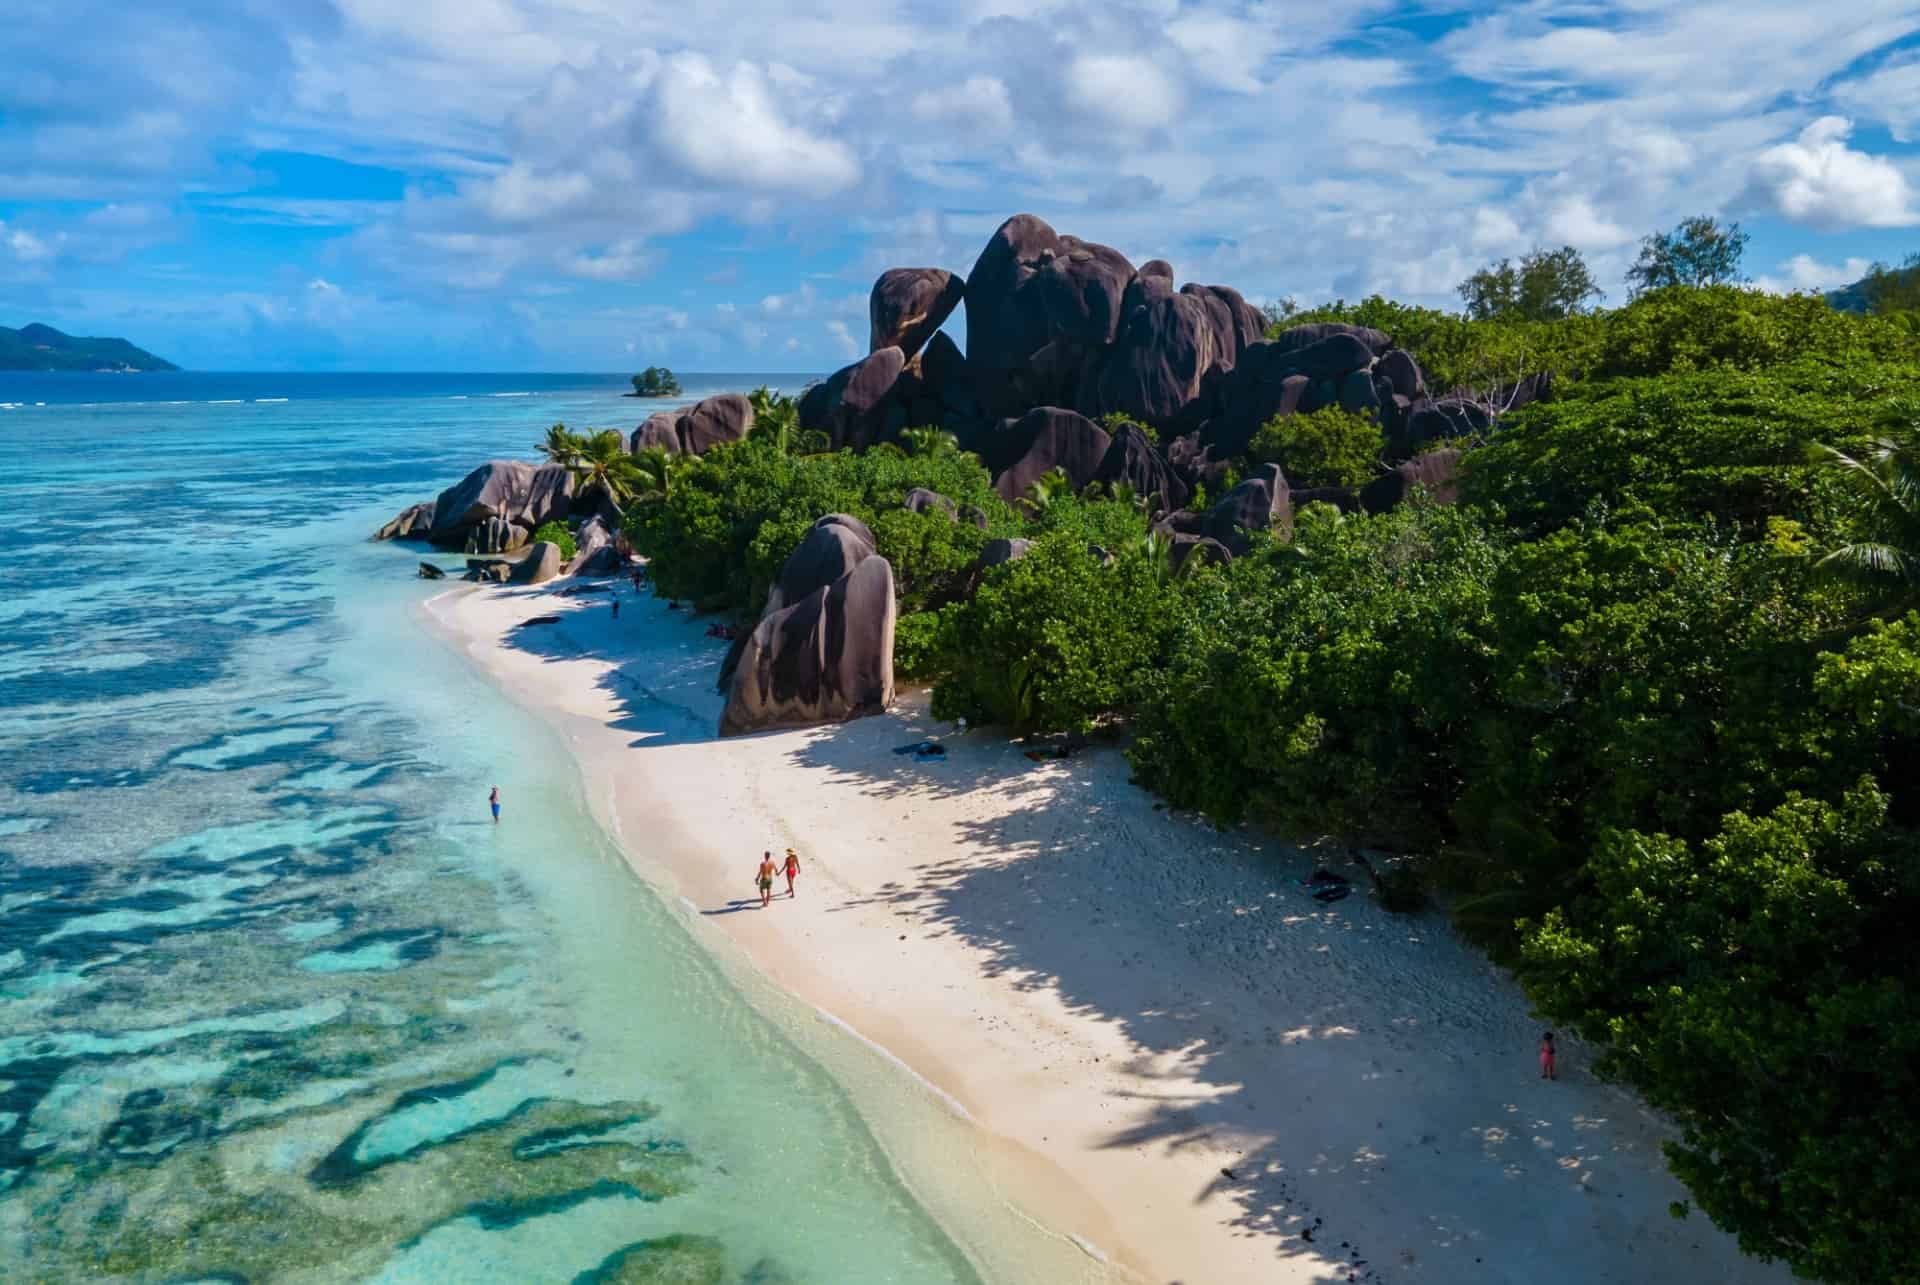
[38,347]
[655,381]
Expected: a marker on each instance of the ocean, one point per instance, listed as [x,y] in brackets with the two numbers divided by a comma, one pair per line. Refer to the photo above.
[278,1001]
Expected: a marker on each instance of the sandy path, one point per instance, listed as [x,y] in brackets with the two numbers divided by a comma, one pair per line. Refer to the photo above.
[1126,1003]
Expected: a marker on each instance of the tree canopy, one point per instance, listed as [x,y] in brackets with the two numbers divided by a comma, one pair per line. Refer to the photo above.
[1697,252]
[1545,285]
[656,381]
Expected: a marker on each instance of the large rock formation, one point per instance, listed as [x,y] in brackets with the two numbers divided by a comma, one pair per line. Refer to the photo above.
[1260,503]
[541,564]
[1156,367]
[908,305]
[1136,461]
[514,490]
[1051,438]
[495,535]
[825,658]
[1437,474]
[696,429]
[856,407]
[413,523]
[1006,320]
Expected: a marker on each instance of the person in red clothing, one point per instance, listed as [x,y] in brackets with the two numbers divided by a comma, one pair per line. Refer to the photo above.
[1548,1071]
[792,868]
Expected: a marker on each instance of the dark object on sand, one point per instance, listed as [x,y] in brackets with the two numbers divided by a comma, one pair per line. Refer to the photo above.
[430,572]
[530,621]
[923,750]
[1326,885]
[1042,756]
[576,590]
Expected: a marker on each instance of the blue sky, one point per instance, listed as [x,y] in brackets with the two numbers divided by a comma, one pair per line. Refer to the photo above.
[603,185]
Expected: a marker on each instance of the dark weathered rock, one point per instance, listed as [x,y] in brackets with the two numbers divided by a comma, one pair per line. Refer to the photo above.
[1134,460]
[1006,320]
[857,407]
[1186,547]
[495,535]
[1062,440]
[1156,366]
[1333,358]
[541,564]
[908,305]
[696,429]
[661,429]
[852,523]
[1258,504]
[1305,336]
[1081,288]
[413,523]
[1400,369]
[519,492]
[921,500]
[828,551]
[1181,522]
[1237,324]
[596,549]
[430,572]
[1439,421]
[998,553]
[1437,474]
[1250,403]
[1153,281]
[824,659]
[1357,393]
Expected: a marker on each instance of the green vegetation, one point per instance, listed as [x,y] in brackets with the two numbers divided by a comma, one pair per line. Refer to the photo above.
[1645,704]
[1546,285]
[656,381]
[556,533]
[1698,252]
[1326,447]
[38,347]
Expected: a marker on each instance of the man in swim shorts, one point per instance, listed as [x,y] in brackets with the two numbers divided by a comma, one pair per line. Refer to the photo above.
[493,801]
[765,879]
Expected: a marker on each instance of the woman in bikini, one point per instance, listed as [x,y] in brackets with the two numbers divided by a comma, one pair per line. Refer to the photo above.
[1548,1071]
[792,869]
[765,879]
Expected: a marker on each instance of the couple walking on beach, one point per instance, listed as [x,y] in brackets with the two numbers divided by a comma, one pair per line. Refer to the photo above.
[764,880]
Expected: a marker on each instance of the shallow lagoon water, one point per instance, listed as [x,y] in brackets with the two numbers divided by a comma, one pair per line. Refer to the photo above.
[277,1001]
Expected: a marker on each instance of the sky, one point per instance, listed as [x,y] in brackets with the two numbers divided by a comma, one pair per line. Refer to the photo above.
[712,185]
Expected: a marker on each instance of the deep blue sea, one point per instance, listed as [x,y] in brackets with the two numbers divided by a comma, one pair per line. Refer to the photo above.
[278,1002]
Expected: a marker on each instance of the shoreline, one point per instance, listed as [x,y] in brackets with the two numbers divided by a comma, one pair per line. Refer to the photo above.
[1157,1045]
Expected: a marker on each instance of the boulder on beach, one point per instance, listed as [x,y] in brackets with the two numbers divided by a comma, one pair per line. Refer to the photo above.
[413,523]
[856,407]
[908,305]
[495,535]
[541,564]
[824,659]
[696,429]
[430,572]
[832,547]
[521,493]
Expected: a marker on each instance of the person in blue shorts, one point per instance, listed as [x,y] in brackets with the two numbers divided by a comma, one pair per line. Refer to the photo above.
[493,801]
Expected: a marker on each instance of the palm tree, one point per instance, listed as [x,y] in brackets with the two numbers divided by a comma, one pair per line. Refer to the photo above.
[562,445]
[1050,486]
[929,441]
[603,462]
[776,417]
[654,467]
[1885,488]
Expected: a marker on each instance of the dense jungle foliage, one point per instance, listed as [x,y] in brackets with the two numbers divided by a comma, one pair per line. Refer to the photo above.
[1644,704]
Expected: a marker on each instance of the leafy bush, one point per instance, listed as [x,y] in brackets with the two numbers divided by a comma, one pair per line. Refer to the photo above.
[1726,444]
[1686,328]
[656,381]
[557,533]
[1114,421]
[733,515]
[1055,640]
[1326,447]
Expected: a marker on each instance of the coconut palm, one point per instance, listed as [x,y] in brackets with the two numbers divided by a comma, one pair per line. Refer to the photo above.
[1884,485]
[929,441]
[776,418]
[562,445]
[654,467]
[1049,487]
[603,462]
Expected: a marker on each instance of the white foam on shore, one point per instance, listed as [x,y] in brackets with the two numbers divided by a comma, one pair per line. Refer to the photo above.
[262,401]
[226,401]
[952,1103]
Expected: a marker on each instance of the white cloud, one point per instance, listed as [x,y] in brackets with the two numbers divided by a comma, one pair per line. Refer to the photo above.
[1122,89]
[27,247]
[1804,272]
[1890,93]
[727,129]
[843,340]
[1819,181]
[622,261]
[979,102]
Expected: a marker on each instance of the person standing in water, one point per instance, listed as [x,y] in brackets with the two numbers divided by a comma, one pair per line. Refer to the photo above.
[764,880]
[1548,1070]
[792,869]
[616,606]
[493,801]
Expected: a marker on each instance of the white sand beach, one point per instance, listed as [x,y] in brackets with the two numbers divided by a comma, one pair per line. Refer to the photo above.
[1168,1049]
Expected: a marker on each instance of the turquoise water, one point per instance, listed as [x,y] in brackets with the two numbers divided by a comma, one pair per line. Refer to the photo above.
[277,1002]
